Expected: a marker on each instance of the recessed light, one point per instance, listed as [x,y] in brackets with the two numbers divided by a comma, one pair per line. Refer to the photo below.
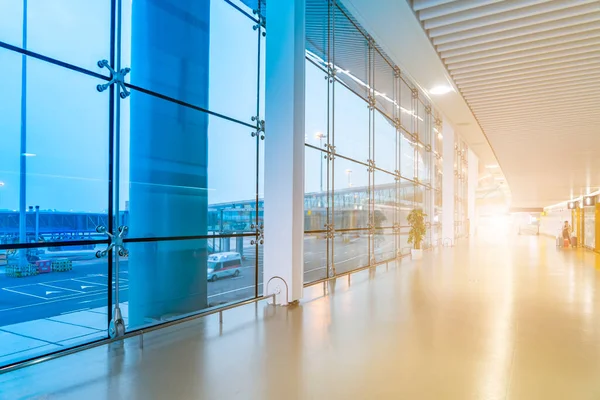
[441,89]
[492,166]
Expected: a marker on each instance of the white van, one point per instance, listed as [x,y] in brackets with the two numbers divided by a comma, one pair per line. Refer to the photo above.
[221,265]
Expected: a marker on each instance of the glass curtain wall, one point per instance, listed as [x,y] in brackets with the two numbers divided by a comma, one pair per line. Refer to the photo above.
[461,184]
[589,227]
[138,118]
[373,149]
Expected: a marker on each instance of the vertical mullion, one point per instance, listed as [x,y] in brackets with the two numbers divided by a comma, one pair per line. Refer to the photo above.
[258,118]
[371,133]
[111,154]
[331,142]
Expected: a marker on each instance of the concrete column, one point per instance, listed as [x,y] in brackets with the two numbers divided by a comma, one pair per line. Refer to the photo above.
[472,187]
[168,158]
[448,182]
[284,149]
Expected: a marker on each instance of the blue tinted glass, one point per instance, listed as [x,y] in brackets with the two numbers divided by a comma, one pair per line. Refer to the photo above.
[209,273]
[73,31]
[65,156]
[200,177]
[207,52]
[351,133]
[386,150]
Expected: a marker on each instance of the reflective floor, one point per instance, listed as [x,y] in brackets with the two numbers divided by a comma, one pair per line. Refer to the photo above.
[512,320]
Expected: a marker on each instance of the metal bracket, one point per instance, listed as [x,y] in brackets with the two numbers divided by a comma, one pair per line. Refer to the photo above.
[260,128]
[330,231]
[371,102]
[397,175]
[330,152]
[371,165]
[116,241]
[415,93]
[262,22]
[259,231]
[115,77]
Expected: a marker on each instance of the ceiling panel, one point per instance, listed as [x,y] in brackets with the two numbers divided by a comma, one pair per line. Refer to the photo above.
[530,72]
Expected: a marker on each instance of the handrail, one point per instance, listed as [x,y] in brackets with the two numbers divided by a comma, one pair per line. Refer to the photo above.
[132,334]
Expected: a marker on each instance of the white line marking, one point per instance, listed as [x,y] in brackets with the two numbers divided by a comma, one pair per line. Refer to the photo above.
[74,311]
[60,288]
[48,301]
[25,294]
[90,283]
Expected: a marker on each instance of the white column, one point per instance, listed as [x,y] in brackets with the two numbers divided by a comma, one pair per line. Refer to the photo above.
[472,187]
[448,182]
[284,150]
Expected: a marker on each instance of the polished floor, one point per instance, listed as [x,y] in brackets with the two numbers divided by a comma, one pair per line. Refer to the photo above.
[518,319]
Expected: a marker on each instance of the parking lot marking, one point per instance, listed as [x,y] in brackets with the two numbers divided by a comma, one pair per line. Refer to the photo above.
[25,294]
[60,288]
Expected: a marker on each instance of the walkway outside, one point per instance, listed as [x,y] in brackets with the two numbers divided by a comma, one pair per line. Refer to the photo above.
[512,320]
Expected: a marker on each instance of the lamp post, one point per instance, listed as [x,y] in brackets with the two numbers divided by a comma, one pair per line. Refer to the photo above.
[23,146]
[321,136]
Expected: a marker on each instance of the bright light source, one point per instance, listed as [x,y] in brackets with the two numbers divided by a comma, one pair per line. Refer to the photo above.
[29,155]
[1,184]
[319,135]
[492,166]
[441,89]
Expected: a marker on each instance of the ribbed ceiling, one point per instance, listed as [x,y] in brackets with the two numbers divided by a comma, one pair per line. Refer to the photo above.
[530,71]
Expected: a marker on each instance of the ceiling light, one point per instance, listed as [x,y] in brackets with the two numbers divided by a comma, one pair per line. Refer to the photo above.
[441,89]
[28,155]
[492,166]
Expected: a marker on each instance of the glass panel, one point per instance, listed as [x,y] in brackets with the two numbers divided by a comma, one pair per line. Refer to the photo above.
[351,121]
[315,175]
[201,175]
[72,31]
[54,300]
[168,279]
[350,251]
[384,245]
[384,84]
[11,22]
[384,197]
[423,122]
[407,156]
[317,29]
[351,54]
[210,53]
[424,163]
[315,257]
[262,76]
[316,106]
[65,166]
[402,241]
[351,194]
[406,107]
[589,226]
[202,278]
[386,150]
